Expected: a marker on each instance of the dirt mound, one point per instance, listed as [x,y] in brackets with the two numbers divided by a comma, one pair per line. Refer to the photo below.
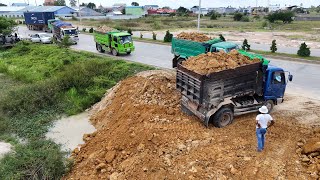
[142,134]
[193,36]
[104,29]
[215,62]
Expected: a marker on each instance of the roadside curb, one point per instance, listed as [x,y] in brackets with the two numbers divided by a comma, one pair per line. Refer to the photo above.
[155,42]
[293,59]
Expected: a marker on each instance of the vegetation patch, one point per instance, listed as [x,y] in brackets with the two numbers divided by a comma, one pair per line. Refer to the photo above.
[38,83]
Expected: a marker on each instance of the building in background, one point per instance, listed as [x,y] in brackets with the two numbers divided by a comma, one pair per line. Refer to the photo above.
[151,7]
[17,12]
[135,10]
[85,11]
[19,4]
[273,8]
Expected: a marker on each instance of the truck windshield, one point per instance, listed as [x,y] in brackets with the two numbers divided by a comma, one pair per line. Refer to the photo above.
[70,32]
[125,39]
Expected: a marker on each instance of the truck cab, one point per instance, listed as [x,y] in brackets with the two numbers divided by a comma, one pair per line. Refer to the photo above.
[275,85]
[223,46]
[72,32]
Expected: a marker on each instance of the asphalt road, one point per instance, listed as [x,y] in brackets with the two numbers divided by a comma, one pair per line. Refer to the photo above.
[306,80]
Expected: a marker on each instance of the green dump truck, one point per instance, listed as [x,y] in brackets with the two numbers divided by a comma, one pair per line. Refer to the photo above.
[183,49]
[115,42]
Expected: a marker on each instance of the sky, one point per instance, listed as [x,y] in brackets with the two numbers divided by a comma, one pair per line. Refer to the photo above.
[186,3]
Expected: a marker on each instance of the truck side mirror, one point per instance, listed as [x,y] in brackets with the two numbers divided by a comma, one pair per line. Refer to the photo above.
[290,77]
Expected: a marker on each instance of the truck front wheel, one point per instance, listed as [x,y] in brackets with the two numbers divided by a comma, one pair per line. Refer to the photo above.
[99,48]
[114,52]
[223,117]
[270,105]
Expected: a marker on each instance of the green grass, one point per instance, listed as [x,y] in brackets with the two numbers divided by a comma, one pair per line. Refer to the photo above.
[313,58]
[38,84]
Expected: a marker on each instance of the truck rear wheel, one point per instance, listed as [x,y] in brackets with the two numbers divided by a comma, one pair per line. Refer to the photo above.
[99,48]
[223,117]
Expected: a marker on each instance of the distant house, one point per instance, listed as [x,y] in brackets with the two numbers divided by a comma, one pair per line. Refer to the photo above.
[19,4]
[195,10]
[160,11]
[114,13]
[273,8]
[135,10]
[153,7]
[85,11]
[119,6]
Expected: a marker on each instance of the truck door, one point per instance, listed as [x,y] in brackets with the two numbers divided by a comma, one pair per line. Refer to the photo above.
[278,84]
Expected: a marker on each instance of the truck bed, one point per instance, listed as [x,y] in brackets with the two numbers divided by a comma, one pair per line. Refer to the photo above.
[209,90]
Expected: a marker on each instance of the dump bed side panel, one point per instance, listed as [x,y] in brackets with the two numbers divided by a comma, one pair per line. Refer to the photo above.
[181,47]
[210,90]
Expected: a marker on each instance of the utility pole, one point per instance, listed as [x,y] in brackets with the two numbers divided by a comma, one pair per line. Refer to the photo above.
[79,12]
[199,12]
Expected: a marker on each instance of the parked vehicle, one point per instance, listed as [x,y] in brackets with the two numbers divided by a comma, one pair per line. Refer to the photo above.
[183,49]
[44,38]
[219,96]
[62,29]
[38,20]
[9,40]
[50,26]
[115,42]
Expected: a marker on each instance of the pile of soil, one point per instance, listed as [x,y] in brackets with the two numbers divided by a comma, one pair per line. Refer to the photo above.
[104,29]
[309,151]
[142,134]
[193,36]
[214,62]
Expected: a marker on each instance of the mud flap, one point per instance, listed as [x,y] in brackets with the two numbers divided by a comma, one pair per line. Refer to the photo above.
[206,121]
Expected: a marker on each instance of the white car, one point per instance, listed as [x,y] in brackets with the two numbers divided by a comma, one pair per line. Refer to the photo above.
[44,38]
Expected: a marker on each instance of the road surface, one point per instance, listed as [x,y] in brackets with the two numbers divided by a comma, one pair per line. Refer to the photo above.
[306,77]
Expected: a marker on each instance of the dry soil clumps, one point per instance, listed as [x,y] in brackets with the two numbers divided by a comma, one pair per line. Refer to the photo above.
[142,134]
[104,29]
[193,36]
[214,62]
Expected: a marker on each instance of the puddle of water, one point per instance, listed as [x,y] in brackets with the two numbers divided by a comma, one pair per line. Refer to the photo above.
[69,131]
[4,148]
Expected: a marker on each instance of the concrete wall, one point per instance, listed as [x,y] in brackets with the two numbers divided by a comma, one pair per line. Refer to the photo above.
[307,18]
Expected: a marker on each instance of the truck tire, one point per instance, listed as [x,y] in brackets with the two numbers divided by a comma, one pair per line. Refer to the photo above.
[223,117]
[99,48]
[114,52]
[186,110]
[129,52]
[270,105]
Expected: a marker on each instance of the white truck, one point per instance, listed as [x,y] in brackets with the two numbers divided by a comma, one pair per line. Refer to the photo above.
[61,29]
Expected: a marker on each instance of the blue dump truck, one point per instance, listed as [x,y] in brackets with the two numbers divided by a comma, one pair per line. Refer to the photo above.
[219,96]
[38,20]
[62,29]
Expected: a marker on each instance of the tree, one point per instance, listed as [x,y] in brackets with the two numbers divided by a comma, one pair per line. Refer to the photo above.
[91,5]
[237,16]
[245,45]
[154,36]
[181,11]
[73,3]
[130,31]
[304,51]
[83,4]
[168,37]
[6,26]
[213,16]
[59,2]
[134,4]
[221,37]
[285,17]
[273,47]
[2,4]
[166,7]
[91,30]
[123,11]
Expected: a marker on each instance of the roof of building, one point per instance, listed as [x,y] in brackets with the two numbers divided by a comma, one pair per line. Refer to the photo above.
[151,5]
[43,8]
[9,8]
[134,6]
[20,4]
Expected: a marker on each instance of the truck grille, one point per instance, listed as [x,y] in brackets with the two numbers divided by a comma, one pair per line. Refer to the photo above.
[189,86]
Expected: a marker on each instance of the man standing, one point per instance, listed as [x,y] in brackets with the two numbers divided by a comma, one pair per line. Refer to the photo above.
[262,123]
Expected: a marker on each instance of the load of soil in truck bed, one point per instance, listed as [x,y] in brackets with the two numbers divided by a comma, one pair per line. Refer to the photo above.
[214,62]
[104,29]
[142,134]
[193,36]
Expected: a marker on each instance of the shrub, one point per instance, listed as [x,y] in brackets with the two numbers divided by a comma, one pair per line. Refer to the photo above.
[40,159]
[141,35]
[74,18]
[168,37]
[91,30]
[273,47]
[154,36]
[237,16]
[213,16]
[256,17]
[245,19]
[130,31]
[84,29]
[304,51]
[264,24]
[245,45]
[221,37]
[285,17]
[156,25]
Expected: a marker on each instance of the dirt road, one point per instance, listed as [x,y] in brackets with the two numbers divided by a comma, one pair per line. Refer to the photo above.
[142,134]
